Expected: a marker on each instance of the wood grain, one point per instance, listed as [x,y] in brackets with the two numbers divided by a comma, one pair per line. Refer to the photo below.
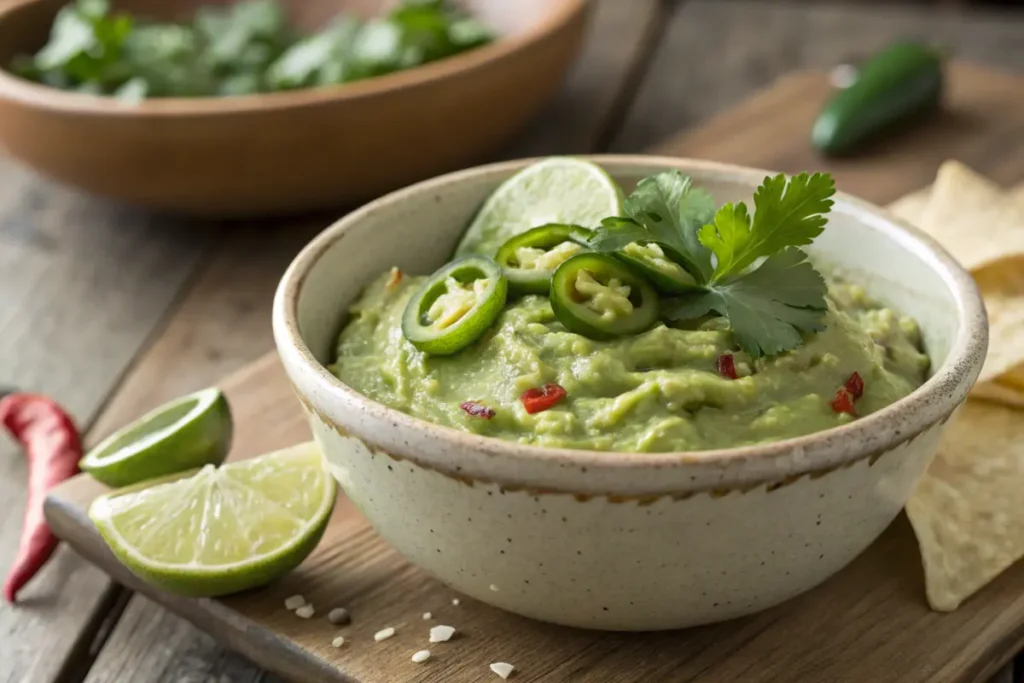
[715,53]
[223,321]
[83,284]
[868,623]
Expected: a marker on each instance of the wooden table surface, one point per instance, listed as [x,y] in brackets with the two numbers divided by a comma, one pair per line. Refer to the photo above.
[113,310]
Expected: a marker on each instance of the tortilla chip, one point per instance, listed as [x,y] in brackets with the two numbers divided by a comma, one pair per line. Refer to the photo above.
[972,217]
[1002,287]
[956,222]
[912,206]
[967,510]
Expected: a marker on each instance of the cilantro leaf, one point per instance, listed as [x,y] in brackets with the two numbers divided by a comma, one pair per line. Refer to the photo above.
[665,209]
[787,214]
[768,308]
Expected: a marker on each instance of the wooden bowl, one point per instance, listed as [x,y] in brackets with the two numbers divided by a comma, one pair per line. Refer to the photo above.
[291,151]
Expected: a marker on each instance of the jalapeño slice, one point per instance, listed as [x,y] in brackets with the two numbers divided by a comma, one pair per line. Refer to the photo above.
[598,296]
[455,306]
[657,266]
[530,258]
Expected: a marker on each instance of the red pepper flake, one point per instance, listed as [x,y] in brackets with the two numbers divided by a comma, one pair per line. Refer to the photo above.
[477,410]
[843,402]
[727,366]
[536,400]
[855,385]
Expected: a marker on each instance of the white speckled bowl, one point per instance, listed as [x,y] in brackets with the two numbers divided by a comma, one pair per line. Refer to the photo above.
[624,541]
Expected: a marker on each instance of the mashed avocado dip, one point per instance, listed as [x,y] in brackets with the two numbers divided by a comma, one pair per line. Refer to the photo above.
[670,325]
[659,390]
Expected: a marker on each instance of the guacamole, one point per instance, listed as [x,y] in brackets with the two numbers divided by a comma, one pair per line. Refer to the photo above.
[662,389]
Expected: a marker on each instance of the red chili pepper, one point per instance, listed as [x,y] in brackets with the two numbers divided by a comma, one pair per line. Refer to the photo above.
[53,449]
[477,410]
[843,402]
[536,400]
[855,385]
[727,366]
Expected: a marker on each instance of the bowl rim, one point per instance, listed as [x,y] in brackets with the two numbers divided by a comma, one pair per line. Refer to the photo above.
[931,403]
[33,94]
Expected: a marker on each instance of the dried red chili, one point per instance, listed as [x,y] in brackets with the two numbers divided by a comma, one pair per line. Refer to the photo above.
[53,448]
[727,366]
[477,409]
[843,402]
[855,385]
[536,400]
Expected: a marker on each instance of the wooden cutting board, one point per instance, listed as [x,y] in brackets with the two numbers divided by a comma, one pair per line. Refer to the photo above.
[868,623]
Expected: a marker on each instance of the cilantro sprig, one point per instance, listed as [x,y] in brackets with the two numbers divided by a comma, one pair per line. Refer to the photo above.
[748,267]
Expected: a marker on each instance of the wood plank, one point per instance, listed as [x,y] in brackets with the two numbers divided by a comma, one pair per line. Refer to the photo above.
[715,53]
[224,321]
[869,622]
[981,126]
[83,284]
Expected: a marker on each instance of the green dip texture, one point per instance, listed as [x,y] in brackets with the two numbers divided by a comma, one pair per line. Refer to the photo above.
[656,391]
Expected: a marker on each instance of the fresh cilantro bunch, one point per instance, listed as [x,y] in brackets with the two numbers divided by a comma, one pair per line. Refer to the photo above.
[748,267]
[239,49]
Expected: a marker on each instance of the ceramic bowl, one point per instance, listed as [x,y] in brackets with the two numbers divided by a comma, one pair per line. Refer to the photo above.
[623,541]
[292,151]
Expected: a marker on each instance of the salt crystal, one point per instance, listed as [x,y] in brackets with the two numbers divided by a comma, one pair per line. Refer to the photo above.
[455,601]
[384,634]
[421,656]
[338,642]
[306,611]
[503,669]
[427,616]
[294,602]
[494,588]
[441,634]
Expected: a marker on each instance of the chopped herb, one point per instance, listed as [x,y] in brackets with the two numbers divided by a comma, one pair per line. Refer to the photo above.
[238,49]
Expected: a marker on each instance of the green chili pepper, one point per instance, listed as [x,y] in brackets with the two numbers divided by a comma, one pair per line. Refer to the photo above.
[663,272]
[588,299]
[537,280]
[896,86]
[455,306]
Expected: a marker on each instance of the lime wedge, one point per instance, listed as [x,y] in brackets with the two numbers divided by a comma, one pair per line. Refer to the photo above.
[221,530]
[555,190]
[186,433]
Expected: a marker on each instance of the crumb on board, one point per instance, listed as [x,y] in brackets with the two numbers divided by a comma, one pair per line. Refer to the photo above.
[441,634]
[455,601]
[384,634]
[338,642]
[305,612]
[494,588]
[421,656]
[339,616]
[427,616]
[503,669]
[294,602]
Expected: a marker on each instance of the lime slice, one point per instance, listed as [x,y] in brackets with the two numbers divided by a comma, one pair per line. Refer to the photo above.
[221,530]
[186,433]
[555,190]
